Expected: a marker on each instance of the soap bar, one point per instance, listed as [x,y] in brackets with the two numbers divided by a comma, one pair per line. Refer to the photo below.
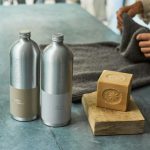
[113,90]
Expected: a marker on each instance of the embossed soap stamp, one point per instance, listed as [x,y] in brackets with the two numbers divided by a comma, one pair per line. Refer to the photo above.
[112,96]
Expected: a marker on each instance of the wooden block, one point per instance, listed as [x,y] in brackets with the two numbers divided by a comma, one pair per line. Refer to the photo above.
[111,122]
[114,90]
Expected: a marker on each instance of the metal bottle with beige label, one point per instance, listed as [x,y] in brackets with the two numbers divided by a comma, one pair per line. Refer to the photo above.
[24,78]
[56,83]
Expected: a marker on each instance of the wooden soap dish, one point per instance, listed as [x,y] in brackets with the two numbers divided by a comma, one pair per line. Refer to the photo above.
[111,122]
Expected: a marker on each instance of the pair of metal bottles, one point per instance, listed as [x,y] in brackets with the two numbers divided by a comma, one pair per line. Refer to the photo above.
[56,81]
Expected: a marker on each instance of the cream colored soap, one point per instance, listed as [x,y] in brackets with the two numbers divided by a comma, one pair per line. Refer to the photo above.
[113,90]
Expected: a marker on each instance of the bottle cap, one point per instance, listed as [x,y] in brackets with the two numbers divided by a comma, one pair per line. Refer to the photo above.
[57,37]
[25,33]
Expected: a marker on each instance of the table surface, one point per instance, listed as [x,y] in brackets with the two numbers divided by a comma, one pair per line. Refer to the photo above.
[78,27]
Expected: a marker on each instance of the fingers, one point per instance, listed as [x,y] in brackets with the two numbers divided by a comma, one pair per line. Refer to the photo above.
[119,16]
[144,39]
[145,50]
[120,13]
[143,44]
[131,12]
[147,55]
[143,36]
[119,26]
[135,9]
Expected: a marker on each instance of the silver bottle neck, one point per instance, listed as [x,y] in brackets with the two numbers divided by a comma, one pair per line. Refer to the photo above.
[24,34]
[57,38]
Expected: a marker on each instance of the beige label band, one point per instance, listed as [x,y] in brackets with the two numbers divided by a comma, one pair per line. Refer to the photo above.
[24,103]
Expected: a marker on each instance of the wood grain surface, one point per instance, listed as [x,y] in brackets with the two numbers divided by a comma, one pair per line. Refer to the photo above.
[111,122]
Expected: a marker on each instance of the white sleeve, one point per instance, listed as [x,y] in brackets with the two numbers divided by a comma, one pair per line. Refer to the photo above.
[146,7]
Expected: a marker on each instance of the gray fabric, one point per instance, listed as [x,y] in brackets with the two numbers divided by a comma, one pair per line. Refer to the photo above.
[129,45]
[91,59]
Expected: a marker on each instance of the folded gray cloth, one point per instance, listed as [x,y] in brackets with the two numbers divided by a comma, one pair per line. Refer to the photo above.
[129,47]
[91,59]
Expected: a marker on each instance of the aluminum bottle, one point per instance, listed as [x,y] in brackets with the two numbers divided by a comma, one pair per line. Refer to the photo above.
[56,83]
[24,78]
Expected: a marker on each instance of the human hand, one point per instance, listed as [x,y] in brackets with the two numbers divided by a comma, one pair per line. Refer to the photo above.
[131,10]
[144,43]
